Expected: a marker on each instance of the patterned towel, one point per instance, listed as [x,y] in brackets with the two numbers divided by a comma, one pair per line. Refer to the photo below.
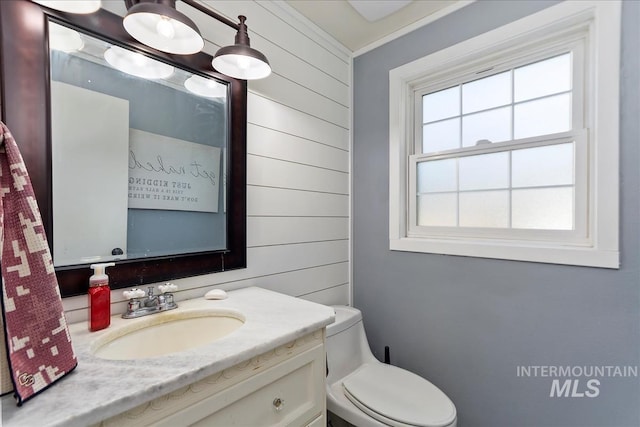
[35,329]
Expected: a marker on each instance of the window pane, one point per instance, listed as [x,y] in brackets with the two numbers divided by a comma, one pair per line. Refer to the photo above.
[437,175]
[543,78]
[437,209]
[542,117]
[543,208]
[484,209]
[542,166]
[486,93]
[439,136]
[494,125]
[441,105]
[484,171]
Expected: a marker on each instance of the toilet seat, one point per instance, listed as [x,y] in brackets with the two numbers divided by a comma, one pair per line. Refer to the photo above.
[397,397]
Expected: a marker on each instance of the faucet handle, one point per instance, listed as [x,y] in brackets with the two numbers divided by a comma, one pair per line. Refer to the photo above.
[134,293]
[168,287]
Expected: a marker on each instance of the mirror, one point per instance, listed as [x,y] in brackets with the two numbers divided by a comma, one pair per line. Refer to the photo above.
[149,141]
[147,170]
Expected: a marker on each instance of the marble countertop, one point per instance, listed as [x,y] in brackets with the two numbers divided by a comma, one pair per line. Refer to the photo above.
[99,388]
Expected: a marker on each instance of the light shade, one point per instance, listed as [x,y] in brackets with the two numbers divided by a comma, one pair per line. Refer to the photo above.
[136,64]
[240,60]
[71,6]
[64,38]
[207,88]
[162,27]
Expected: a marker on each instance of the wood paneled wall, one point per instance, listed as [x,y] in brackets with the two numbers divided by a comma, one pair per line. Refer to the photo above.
[298,158]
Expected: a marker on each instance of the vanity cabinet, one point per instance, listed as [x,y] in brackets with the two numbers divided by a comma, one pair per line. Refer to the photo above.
[282,387]
[268,372]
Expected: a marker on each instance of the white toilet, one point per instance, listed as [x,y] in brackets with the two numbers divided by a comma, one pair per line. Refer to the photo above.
[365,392]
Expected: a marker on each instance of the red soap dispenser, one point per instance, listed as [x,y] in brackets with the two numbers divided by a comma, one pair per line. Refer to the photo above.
[99,297]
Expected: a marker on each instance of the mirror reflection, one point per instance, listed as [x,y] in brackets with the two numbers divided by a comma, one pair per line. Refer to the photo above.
[139,152]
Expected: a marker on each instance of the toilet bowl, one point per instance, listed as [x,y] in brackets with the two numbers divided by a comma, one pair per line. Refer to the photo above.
[366,393]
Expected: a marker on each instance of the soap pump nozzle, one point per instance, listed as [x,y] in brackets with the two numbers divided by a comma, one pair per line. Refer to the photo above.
[98,269]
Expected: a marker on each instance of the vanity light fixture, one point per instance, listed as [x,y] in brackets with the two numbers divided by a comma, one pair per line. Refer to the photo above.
[159,25]
[241,60]
[71,6]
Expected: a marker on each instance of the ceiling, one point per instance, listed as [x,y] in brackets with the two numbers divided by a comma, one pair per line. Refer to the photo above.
[340,19]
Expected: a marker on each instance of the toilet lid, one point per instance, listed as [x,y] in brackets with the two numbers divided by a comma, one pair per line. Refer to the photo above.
[398,397]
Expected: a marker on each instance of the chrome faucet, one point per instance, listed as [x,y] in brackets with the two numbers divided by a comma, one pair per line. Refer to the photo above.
[150,300]
[142,304]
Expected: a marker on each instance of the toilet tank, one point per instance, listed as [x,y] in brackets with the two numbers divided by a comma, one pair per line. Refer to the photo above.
[347,345]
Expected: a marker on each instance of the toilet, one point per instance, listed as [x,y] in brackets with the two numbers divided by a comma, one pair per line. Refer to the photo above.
[365,392]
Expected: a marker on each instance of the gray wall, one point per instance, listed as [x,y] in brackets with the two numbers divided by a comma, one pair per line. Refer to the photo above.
[467,323]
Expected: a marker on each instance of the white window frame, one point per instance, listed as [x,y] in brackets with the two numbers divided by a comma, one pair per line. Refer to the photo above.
[597,23]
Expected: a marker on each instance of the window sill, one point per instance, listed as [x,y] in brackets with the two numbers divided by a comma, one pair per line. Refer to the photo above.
[517,251]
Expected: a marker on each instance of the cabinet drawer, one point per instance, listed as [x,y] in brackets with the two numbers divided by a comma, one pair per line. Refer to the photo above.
[289,394]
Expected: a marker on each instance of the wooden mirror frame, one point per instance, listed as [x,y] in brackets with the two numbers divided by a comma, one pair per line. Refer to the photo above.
[26,107]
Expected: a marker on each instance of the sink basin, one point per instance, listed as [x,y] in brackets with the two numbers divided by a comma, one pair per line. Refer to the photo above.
[165,333]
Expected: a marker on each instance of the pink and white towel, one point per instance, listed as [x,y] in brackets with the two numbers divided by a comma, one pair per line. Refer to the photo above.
[38,344]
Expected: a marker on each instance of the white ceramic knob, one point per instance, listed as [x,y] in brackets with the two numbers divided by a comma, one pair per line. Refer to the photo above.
[134,293]
[168,287]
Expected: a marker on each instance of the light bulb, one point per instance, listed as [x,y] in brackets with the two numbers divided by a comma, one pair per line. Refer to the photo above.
[164,27]
[244,62]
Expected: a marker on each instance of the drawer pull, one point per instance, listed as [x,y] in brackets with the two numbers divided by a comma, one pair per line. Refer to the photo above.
[278,404]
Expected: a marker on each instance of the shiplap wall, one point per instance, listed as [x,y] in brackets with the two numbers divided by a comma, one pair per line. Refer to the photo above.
[297,163]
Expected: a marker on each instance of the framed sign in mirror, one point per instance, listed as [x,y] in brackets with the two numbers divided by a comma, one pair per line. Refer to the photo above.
[134,155]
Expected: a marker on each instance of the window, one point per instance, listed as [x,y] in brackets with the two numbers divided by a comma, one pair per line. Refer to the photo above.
[500,152]
[505,145]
